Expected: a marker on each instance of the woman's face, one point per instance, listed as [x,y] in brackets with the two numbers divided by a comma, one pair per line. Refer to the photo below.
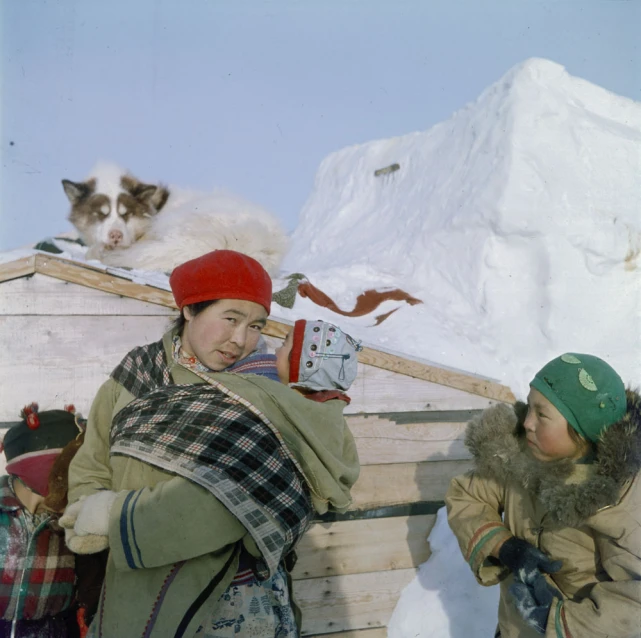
[282,357]
[547,431]
[224,332]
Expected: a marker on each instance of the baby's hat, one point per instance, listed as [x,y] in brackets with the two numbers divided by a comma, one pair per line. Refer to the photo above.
[323,357]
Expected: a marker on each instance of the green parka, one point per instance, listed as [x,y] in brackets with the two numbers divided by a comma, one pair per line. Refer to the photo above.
[186,539]
[586,515]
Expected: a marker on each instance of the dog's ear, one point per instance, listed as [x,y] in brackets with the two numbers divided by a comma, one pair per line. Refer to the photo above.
[76,191]
[156,196]
[160,197]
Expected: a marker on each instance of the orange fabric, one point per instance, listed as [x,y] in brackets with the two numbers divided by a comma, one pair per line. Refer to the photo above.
[82,625]
[366,302]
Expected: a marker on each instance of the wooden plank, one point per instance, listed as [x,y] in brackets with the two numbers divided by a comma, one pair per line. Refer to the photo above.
[45,295]
[65,359]
[381,441]
[415,417]
[355,601]
[394,483]
[378,390]
[379,632]
[95,278]
[18,268]
[354,547]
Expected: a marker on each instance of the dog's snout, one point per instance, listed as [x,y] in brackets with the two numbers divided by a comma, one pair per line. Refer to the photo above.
[115,237]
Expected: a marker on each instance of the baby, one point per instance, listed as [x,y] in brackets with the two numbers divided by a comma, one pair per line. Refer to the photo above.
[318,360]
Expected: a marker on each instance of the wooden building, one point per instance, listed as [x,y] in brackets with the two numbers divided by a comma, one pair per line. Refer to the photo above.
[64,325]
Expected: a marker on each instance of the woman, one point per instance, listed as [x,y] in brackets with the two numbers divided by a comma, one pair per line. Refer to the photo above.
[552,509]
[203,481]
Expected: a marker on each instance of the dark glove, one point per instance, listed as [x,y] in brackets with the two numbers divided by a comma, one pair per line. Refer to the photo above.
[532,593]
[533,602]
[527,562]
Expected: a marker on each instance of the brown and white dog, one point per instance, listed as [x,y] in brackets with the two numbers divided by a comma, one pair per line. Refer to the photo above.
[128,223]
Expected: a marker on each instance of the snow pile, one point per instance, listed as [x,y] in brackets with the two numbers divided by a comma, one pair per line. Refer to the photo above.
[516,222]
[445,599]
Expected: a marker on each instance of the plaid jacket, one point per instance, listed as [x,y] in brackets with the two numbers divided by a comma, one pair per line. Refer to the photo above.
[37,571]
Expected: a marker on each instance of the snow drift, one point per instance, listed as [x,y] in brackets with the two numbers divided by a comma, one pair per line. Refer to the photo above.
[517,222]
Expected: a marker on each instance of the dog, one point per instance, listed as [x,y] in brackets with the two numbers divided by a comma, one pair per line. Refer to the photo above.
[127,223]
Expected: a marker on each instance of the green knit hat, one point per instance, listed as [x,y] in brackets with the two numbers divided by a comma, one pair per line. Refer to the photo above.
[585,390]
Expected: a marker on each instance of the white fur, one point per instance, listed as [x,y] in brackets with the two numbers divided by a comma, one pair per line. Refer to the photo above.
[188,226]
[193,224]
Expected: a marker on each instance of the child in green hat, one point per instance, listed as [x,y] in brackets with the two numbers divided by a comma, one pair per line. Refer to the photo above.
[552,509]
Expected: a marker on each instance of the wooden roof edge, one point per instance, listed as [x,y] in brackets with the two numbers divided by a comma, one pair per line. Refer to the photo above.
[93,277]
[21,267]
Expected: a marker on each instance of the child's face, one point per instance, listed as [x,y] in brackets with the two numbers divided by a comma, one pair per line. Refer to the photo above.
[547,431]
[282,357]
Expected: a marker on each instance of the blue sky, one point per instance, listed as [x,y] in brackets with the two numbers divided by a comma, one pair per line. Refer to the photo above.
[251,95]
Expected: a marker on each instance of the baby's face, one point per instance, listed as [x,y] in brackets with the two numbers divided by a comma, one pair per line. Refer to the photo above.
[282,357]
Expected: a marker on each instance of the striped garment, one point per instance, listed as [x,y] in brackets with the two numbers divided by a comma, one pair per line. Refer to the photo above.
[212,437]
[37,574]
[484,540]
[560,622]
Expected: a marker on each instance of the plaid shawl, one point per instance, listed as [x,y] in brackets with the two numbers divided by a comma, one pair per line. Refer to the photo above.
[214,438]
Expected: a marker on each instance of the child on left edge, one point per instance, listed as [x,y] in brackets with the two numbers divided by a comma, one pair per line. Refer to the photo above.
[37,581]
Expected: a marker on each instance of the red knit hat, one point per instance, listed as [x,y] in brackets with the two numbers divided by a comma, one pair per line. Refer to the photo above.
[221,274]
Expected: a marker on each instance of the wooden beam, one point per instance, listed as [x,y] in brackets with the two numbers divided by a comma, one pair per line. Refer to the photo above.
[356,601]
[96,278]
[45,295]
[355,547]
[19,268]
[459,380]
[384,485]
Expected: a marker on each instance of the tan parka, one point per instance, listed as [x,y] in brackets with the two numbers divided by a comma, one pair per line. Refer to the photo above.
[586,515]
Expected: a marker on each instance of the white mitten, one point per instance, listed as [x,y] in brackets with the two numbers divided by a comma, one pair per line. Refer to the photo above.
[68,519]
[93,517]
[89,544]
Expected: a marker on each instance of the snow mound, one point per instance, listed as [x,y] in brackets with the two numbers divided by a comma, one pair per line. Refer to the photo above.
[516,222]
[445,599]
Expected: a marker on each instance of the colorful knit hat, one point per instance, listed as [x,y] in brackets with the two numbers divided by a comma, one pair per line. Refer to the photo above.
[323,357]
[585,390]
[221,274]
[32,445]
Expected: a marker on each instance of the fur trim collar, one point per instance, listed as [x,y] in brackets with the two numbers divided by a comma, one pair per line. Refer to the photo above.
[571,492]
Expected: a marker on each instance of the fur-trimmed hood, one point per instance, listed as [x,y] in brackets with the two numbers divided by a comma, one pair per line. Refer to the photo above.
[572,493]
